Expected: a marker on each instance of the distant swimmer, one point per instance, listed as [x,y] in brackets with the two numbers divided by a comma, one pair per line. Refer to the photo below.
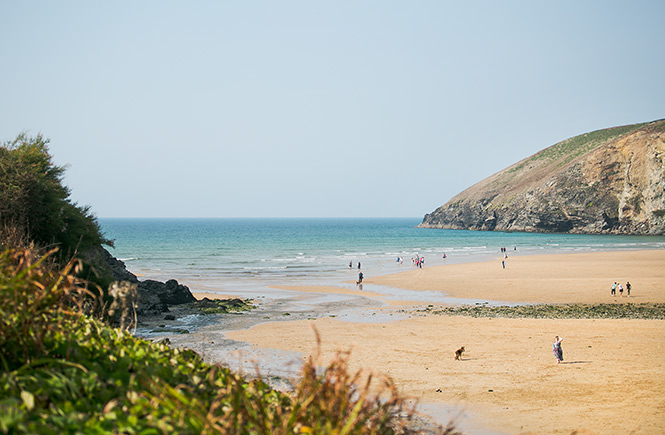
[359,265]
[350,264]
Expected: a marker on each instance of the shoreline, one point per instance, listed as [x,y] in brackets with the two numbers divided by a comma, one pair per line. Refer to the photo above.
[508,376]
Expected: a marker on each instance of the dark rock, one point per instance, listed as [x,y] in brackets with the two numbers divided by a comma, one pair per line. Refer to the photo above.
[118,269]
[150,303]
[169,317]
[154,296]
[106,264]
[170,292]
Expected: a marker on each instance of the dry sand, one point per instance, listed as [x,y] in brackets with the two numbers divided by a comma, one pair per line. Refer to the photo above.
[611,382]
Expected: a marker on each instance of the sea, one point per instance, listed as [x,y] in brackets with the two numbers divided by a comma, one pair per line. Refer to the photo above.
[234,255]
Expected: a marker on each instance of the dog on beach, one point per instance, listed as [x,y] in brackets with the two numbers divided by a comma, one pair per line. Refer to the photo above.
[458,353]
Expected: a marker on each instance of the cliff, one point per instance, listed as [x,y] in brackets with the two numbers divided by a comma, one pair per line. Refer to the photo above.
[609,181]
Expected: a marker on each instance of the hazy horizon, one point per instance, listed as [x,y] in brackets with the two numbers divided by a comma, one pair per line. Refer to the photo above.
[325,109]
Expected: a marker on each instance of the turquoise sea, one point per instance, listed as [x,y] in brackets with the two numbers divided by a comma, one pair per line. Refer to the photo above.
[227,254]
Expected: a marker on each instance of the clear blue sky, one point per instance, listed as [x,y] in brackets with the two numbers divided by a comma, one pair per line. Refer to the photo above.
[308,108]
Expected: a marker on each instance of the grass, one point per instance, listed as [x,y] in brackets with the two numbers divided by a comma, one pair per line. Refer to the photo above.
[569,149]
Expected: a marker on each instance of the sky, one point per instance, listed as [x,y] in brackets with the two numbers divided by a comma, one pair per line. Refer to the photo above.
[315,108]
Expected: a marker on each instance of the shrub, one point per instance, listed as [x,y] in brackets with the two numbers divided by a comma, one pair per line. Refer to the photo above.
[34,201]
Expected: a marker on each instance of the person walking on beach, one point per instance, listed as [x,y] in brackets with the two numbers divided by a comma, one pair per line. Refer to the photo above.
[359,265]
[620,290]
[360,278]
[627,288]
[557,350]
[614,289]
[503,263]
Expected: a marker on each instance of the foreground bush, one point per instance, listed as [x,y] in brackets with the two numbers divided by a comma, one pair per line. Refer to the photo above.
[64,372]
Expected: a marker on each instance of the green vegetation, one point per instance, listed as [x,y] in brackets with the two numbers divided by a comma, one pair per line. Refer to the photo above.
[569,149]
[223,306]
[35,203]
[36,210]
[564,311]
[62,371]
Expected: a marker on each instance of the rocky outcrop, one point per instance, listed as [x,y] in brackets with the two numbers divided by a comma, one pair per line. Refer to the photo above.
[154,296]
[168,293]
[606,182]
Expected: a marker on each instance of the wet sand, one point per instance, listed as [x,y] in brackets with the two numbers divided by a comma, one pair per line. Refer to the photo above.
[612,379]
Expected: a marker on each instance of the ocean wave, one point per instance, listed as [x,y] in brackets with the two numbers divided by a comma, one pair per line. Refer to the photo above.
[266,268]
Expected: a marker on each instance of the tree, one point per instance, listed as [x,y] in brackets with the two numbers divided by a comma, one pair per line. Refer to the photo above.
[34,201]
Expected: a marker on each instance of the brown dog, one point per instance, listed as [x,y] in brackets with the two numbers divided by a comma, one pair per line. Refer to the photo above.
[458,353]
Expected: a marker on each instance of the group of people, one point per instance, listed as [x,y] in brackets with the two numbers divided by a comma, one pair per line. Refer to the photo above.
[617,286]
[418,262]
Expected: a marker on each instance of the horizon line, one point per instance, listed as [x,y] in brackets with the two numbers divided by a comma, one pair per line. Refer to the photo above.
[259,217]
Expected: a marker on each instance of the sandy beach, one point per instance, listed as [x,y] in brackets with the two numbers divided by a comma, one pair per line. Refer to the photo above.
[612,378]
[561,278]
